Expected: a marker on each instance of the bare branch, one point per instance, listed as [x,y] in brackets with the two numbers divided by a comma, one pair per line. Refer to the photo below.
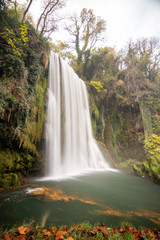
[26,11]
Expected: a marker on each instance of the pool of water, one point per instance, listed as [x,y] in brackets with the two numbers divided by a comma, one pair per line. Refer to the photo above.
[108,197]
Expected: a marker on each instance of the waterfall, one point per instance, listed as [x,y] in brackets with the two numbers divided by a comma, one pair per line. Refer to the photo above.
[70,145]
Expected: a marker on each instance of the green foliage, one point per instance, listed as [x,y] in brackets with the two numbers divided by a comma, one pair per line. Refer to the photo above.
[151,167]
[7,102]
[13,66]
[22,93]
[137,169]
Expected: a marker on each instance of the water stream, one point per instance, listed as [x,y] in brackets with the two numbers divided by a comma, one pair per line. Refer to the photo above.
[71,147]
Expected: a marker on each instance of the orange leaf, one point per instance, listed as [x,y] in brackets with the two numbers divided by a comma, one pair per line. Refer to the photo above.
[70,238]
[136,235]
[22,230]
[59,235]
[7,237]
[48,234]
[79,229]
[54,230]
[75,226]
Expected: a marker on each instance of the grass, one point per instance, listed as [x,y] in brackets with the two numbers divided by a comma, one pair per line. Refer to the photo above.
[84,231]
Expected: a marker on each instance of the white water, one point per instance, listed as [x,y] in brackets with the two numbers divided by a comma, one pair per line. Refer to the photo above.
[71,147]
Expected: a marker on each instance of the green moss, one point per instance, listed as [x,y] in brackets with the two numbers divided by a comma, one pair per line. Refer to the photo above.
[9,180]
[12,161]
[32,132]
[137,170]
[146,166]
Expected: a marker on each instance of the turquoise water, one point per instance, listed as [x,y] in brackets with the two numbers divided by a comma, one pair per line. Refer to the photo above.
[108,197]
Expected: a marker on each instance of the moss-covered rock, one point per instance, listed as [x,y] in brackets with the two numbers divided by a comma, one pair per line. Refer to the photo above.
[9,180]
[17,162]
[137,169]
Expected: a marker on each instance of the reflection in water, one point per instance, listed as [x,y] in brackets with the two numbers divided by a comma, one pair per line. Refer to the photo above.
[55,194]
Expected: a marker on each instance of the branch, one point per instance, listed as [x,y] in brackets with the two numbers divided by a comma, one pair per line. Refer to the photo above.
[25,12]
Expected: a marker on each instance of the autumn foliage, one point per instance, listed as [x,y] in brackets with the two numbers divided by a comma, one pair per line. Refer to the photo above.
[83,231]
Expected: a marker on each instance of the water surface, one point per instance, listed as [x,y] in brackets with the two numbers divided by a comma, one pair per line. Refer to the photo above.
[108,197]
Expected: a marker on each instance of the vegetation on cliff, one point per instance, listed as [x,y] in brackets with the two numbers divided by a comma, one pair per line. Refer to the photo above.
[23,82]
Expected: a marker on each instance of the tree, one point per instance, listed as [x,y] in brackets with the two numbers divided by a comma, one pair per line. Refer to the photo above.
[26,10]
[47,22]
[86,31]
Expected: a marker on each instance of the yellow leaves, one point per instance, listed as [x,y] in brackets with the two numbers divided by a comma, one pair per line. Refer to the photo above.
[97,85]
[16,42]
[24,34]
[152,146]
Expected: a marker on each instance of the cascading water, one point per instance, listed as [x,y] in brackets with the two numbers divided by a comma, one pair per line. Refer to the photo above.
[71,147]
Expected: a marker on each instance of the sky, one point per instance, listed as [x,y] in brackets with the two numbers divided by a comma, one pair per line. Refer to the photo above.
[125,19]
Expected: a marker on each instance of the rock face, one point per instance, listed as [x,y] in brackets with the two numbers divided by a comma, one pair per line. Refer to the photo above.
[45,59]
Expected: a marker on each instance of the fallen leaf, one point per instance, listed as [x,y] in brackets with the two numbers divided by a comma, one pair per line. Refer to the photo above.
[152,234]
[21,237]
[70,238]
[121,229]
[104,231]
[59,235]
[7,237]
[93,231]
[71,230]
[136,235]
[79,229]
[48,234]
[54,230]
[76,226]
[22,230]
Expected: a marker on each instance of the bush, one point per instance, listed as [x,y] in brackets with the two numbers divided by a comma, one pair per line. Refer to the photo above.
[14,66]
[152,147]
